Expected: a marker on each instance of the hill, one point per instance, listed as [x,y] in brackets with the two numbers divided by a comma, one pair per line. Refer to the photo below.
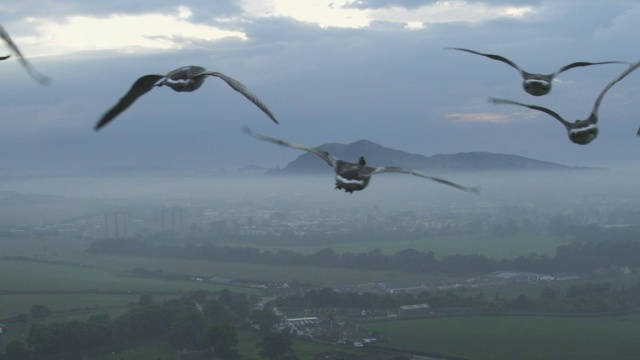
[378,155]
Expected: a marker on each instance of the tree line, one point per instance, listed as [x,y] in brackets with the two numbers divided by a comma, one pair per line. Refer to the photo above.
[576,257]
[586,298]
[194,321]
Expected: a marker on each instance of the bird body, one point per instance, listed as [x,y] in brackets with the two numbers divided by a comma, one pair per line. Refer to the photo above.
[183,79]
[580,132]
[536,84]
[350,176]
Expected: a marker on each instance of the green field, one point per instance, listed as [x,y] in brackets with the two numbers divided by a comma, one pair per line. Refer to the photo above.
[14,304]
[247,340]
[61,287]
[16,276]
[304,349]
[103,266]
[517,337]
[74,292]
[262,272]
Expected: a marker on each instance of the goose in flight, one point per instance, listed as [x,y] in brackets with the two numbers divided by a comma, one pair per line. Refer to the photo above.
[352,177]
[536,84]
[581,131]
[43,80]
[184,79]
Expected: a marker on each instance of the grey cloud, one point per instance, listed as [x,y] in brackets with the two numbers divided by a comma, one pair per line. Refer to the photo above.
[413,4]
[203,10]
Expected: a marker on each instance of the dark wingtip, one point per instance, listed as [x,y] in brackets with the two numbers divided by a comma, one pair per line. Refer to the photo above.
[100,125]
[475,190]
[246,130]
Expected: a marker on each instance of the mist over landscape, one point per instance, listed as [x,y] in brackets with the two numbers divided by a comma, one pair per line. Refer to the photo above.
[297,225]
[301,210]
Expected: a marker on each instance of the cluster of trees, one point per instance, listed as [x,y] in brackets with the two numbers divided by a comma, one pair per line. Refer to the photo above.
[193,321]
[582,298]
[275,344]
[576,257]
[340,300]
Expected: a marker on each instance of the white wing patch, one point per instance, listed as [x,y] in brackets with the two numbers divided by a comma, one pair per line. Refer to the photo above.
[349,181]
[583,129]
[177,81]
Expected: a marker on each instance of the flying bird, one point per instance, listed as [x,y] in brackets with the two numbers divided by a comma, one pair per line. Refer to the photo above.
[30,69]
[352,177]
[184,79]
[536,84]
[581,131]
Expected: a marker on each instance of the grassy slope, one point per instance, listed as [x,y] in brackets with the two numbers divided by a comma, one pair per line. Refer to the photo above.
[19,276]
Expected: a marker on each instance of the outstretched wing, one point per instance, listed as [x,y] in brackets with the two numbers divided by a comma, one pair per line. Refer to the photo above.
[386,169]
[582,63]
[30,69]
[491,56]
[242,89]
[4,57]
[609,85]
[330,159]
[534,107]
[139,88]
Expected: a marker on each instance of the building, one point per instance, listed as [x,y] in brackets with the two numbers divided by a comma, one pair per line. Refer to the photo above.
[414,310]
[117,225]
[175,220]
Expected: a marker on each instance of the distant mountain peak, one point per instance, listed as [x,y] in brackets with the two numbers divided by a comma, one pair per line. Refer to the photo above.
[378,155]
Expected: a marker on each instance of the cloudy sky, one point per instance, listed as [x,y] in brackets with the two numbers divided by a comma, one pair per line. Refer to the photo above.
[330,71]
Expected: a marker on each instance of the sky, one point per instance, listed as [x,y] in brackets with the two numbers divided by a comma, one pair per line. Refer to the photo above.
[330,71]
